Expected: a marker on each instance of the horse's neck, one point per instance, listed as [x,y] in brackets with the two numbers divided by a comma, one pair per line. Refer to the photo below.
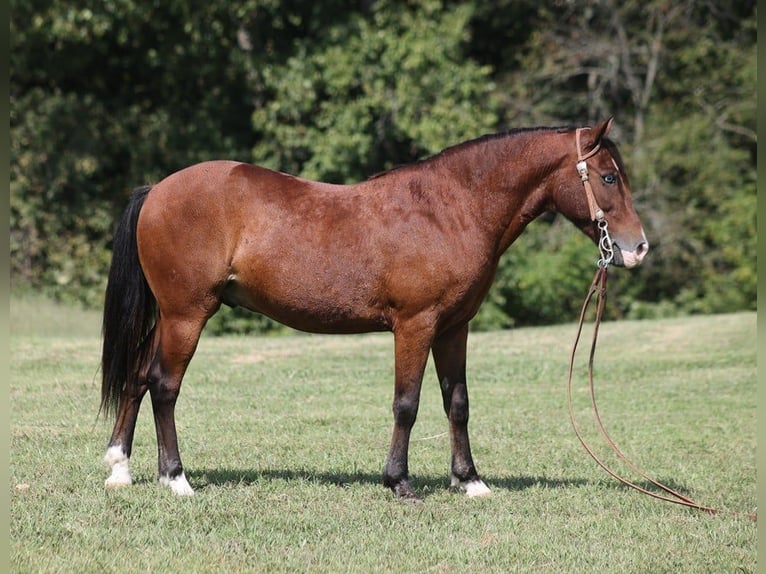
[511,178]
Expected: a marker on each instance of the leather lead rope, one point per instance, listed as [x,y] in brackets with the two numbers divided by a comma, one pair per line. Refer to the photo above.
[598,285]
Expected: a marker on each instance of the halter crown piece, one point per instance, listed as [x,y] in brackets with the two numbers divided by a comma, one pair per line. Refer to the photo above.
[596,213]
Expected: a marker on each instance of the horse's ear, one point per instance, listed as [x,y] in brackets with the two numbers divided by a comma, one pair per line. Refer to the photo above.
[605,127]
[594,134]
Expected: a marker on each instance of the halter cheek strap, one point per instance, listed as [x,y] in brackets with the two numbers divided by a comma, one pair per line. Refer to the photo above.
[605,246]
[596,213]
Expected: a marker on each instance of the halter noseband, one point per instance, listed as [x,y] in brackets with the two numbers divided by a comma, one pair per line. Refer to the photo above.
[596,213]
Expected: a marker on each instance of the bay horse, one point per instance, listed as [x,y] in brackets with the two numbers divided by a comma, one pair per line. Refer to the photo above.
[412,251]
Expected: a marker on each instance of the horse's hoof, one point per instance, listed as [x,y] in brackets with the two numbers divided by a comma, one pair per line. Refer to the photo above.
[179,485]
[404,492]
[113,482]
[477,488]
[472,488]
[120,466]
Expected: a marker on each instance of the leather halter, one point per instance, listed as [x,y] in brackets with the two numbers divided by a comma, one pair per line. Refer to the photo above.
[605,246]
[596,213]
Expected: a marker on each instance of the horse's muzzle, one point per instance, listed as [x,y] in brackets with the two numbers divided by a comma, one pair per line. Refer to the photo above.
[630,258]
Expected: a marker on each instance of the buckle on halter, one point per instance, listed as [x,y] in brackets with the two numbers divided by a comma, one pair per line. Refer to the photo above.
[582,169]
[600,215]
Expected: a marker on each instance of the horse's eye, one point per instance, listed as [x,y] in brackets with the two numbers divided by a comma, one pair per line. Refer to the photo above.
[609,179]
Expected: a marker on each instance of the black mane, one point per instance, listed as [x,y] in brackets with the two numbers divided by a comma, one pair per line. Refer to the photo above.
[473,142]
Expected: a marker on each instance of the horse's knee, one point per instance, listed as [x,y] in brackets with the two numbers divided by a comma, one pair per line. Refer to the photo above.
[458,410]
[405,410]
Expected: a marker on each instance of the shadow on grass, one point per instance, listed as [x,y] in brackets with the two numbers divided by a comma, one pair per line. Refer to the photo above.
[423,485]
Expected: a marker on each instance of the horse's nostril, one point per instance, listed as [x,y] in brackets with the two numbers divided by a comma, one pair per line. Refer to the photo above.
[642,249]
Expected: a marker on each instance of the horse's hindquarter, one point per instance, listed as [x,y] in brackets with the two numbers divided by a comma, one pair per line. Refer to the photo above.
[184,236]
[316,257]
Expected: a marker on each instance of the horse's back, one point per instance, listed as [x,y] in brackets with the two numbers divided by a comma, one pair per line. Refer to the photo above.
[315,256]
[218,198]
[247,235]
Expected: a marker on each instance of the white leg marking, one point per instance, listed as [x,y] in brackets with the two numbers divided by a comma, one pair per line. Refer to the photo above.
[471,487]
[179,485]
[119,463]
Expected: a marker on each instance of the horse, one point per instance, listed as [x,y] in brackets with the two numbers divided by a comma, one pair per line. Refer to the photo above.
[412,251]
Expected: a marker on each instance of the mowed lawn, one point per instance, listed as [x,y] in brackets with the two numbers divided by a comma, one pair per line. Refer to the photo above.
[284,440]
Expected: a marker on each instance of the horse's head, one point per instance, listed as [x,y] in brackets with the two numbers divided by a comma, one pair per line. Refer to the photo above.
[594,193]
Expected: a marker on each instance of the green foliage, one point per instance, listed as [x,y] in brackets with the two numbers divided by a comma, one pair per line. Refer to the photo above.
[107,96]
[542,279]
[699,169]
[705,230]
[58,216]
[374,91]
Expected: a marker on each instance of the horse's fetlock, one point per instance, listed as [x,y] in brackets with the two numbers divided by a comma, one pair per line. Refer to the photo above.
[464,473]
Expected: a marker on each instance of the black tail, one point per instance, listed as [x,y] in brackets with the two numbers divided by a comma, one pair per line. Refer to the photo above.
[129,309]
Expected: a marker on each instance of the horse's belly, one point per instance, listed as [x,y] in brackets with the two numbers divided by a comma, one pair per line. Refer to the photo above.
[316,309]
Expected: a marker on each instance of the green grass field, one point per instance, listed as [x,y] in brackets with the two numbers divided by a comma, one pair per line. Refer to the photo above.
[284,440]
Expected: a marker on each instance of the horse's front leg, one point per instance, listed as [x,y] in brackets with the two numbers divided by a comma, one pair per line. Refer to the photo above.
[449,352]
[411,345]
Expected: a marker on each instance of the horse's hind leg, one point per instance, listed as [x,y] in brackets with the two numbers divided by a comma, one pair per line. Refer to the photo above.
[449,352]
[121,443]
[177,342]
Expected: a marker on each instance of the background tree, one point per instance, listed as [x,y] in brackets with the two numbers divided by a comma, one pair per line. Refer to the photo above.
[375,90]
[681,79]
[106,96]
